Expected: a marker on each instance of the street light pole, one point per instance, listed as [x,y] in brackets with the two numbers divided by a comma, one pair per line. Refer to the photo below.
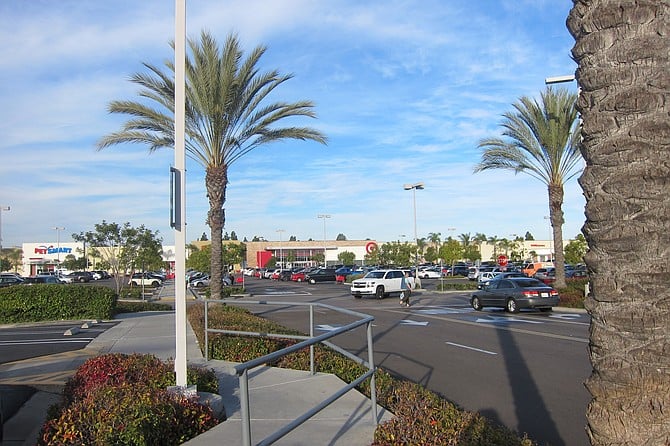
[281,249]
[414,187]
[58,229]
[324,216]
[2,208]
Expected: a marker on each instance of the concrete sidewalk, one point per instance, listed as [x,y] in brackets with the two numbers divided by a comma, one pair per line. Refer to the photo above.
[277,396]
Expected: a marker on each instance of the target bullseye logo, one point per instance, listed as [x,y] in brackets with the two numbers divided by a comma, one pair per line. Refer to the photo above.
[370,247]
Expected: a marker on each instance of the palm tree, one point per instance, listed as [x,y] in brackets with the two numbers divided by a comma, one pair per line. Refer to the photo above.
[227,116]
[435,239]
[624,104]
[542,141]
[479,239]
[466,239]
[494,240]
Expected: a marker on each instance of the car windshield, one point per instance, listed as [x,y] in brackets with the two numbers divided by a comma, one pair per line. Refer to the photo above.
[375,275]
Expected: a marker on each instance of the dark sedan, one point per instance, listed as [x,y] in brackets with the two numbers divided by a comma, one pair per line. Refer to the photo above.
[515,293]
[321,275]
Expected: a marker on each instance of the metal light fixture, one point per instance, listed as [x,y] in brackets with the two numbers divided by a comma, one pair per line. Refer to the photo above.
[414,187]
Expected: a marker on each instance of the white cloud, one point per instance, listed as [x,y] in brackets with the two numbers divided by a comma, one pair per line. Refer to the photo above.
[404,90]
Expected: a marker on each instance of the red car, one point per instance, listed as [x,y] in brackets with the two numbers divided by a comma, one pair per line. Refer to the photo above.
[299,276]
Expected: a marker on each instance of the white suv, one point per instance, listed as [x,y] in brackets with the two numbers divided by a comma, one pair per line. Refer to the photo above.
[381,283]
[145,279]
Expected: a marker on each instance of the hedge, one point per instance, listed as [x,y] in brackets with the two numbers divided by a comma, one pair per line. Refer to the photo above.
[49,302]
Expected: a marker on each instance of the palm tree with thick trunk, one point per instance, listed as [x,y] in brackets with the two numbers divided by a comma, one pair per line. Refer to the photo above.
[227,116]
[623,52]
[541,140]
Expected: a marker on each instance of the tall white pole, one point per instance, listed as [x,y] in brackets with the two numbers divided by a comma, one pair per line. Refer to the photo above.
[324,216]
[2,208]
[58,229]
[413,188]
[281,250]
[180,162]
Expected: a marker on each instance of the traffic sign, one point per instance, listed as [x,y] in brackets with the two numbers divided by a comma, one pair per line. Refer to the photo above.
[502,260]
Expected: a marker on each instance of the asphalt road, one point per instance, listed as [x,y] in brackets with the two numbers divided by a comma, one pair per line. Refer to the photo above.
[525,371]
[18,342]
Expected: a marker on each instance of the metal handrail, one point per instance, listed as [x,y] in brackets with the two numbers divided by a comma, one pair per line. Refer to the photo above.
[308,341]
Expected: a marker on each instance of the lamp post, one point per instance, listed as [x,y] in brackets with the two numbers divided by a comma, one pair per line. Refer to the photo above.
[324,216]
[414,187]
[2,208]
[281,249]
[58,229]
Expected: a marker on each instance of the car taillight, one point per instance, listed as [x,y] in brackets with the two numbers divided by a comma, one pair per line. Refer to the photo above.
[530,293]
[553,293]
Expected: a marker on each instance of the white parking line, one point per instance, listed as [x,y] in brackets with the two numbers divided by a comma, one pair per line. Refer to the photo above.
[472,348]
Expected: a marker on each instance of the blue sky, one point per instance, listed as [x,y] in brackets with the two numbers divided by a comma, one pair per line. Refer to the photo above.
[404,90]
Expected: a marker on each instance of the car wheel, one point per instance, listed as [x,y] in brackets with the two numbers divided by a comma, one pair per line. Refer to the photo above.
[379,292]
[476,304]
[155,284]
[299,280]
[312,281]
[82,280]
[511,306]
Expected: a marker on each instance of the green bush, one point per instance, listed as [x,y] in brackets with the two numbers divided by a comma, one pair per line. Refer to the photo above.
[134,307]
[450,286]
[123,400]
[572,296]
[421,416]
[49,302]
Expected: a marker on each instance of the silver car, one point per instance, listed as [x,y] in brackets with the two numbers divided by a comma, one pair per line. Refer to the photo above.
[515,293]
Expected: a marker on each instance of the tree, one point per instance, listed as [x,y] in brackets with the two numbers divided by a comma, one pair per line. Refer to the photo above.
[466,239]
[493,240]
[529,236]
[73,263]
[346,257]
[576,249]
[451,251]
[341,237]
[227,116]
[123,247]
[541,141]
[203,237]
[622,53]
[435,239]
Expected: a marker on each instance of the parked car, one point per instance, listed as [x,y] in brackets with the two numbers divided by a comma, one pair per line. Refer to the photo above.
[100,274]
[485,277]
[342,273]
[285,275]
[321,275]
[78,276]
[200,282]
[267,274]
[545,273]
[299,276]
[6,281]
[41,279]
[500,275]
[430,273]
[515,293]
[145,279]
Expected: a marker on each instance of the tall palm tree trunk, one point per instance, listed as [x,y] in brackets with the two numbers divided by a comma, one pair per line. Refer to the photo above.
[557,220]
[621,47]
[216,179]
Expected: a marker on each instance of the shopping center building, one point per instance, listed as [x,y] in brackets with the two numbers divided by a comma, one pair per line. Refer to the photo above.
[41,258]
